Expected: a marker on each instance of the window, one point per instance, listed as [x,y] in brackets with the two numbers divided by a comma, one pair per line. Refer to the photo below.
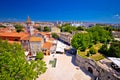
[108,77]
[90,70]
[16,39]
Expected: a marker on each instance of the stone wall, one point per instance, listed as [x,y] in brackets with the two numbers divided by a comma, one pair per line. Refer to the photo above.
[94,69]
[35,47]
[87,64]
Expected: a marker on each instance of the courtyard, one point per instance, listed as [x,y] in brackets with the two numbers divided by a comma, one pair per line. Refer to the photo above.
[65,69]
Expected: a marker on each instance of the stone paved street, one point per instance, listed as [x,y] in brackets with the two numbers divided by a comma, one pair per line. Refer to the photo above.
[64,70]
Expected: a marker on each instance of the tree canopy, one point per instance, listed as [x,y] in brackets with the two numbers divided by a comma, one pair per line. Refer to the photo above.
[38,28]
[80,41]
[18,27]
[94,35]
[114,50]
[99,34]
[1,26]
[40,55]
[104,49]
[13,64]
[68,28]
[54,35]
[46,29]
[80,28]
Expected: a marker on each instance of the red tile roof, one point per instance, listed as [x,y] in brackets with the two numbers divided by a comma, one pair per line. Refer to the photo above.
[35,39]
[10,34]
[21,35]
[47,45]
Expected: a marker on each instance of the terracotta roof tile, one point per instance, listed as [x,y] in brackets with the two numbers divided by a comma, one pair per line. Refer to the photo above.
[47,45]
[34,39]
[21,35]
[10,34]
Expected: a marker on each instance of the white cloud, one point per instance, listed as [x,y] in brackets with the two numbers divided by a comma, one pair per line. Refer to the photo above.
[117,16]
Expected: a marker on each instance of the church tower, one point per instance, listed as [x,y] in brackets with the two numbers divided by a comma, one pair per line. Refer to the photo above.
[29,26]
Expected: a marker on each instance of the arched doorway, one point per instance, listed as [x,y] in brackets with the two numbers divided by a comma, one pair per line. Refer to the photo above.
[90,70]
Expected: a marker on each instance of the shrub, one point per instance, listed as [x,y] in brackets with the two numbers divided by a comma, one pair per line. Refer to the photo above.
[103,49]
[40,55]
[88,54]
[83,48]
[114,50]
[38,28]
[92,50]
[54,35]
[90,45]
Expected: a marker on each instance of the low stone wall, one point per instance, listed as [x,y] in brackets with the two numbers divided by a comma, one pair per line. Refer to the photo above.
[94,69]
[88,64]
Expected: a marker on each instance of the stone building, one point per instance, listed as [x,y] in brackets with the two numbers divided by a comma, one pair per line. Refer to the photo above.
[100,69]
[66,37]
[35,44]
[55,30]
[14,37]
[46,24]
[25,43]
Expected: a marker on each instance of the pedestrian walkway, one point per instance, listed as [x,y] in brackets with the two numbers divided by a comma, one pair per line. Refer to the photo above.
[64,70]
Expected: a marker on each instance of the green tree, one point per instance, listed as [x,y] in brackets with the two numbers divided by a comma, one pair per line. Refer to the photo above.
[80,28]
[54,35]
[114,50]
[88,54]
[38,28]
[104,49]
[40,55]
[14,66]
[100,34]
[94,35]
[18,27]
[1,26]
[108,28]
[46,29]
[116,29]
[68,28]
[80,41]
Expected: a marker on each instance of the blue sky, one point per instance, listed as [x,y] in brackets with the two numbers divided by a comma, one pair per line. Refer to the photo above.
[107,11]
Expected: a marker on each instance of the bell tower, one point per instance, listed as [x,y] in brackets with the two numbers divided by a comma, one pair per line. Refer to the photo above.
[29,26]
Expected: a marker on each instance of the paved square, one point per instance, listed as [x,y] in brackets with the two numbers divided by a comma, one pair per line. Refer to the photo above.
[64,70]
